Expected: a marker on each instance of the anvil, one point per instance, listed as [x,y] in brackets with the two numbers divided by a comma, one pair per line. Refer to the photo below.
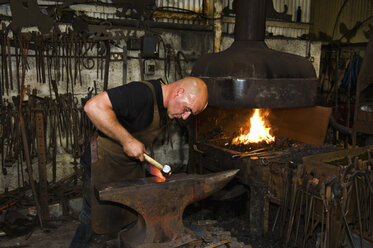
[161,205]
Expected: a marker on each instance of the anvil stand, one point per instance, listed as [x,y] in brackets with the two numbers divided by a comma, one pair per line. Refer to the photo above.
[161,205]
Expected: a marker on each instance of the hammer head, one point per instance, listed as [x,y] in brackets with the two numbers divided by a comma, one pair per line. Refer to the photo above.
[166,169]
[162,174]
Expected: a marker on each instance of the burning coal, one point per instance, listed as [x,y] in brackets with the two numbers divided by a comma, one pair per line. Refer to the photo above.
[259,130]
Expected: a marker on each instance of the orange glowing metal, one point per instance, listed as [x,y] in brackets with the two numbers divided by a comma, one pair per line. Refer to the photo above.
[156,172]
[258,130]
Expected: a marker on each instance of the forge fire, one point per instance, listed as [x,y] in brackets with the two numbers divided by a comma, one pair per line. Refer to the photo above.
[260,130]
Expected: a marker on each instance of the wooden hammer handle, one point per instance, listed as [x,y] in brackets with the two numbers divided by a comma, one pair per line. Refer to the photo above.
[153,162]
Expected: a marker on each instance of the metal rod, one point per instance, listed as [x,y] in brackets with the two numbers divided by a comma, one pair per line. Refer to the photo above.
[24,140]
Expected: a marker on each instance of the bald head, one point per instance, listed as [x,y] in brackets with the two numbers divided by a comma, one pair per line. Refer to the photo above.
[197,90]
[185,97]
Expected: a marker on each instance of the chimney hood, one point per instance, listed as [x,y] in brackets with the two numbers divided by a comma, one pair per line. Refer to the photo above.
[249,74]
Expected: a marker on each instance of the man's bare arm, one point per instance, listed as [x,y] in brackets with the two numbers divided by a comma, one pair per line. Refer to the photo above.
[100,112]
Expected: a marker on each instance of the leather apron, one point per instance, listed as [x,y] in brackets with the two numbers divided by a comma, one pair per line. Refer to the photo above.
[113,165]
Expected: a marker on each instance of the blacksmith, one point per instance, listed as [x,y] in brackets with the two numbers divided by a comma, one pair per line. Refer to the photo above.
[128,118]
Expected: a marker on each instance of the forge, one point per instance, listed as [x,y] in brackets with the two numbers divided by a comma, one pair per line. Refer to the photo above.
[160,205]
[247,76]
[265,167]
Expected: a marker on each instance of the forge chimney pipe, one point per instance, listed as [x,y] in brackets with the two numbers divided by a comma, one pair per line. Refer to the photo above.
[250,20]
[250,75]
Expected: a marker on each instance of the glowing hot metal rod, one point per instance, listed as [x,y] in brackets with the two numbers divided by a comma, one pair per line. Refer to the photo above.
[166,169]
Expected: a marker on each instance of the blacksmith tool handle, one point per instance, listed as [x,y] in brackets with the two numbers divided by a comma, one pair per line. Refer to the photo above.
[107,65]
[164,168]
[347,170]
[356,174]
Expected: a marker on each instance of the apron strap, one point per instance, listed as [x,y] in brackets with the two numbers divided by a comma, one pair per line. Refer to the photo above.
[93,145]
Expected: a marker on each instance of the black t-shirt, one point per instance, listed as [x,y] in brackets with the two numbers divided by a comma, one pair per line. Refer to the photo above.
[133,104]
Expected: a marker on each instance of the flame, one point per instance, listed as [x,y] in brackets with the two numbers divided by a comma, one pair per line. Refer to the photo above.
[258,131]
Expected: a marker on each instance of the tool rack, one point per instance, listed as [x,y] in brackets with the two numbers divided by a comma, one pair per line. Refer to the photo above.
[337,194]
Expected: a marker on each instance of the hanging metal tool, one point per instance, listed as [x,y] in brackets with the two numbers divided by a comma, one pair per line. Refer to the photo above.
[42,165]
[124,58]
[25,142]
[107,65]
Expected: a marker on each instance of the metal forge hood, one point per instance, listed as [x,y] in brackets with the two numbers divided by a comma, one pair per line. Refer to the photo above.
[249,74]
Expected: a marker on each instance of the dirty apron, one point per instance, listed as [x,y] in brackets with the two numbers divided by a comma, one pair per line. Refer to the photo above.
[113,165]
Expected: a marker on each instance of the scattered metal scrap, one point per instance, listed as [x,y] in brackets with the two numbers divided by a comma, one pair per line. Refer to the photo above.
[13,202]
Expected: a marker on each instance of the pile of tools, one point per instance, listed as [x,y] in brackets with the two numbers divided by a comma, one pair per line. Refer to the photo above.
[329,208]
[44,128]
[62,120]
[46,124]
[41,127]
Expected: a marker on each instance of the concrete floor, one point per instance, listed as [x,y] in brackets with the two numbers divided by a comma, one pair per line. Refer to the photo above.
[54,237]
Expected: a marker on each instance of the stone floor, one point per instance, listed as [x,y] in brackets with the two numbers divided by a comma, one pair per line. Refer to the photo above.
[53,237]
[61,235]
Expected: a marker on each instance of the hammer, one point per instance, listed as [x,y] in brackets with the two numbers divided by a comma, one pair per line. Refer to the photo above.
[164,168]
